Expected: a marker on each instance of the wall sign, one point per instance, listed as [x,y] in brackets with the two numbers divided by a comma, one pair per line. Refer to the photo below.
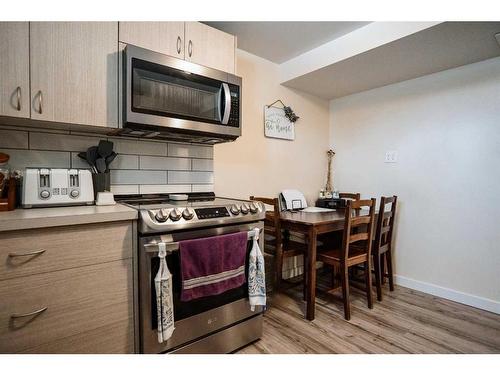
[277,124]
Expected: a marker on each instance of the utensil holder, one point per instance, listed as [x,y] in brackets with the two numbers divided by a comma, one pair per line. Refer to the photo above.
[101,182]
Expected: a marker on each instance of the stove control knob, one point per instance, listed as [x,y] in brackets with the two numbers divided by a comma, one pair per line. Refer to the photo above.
[175,214]
[162,215]
[235,210]
[244,208]
[188,213]
[253,208]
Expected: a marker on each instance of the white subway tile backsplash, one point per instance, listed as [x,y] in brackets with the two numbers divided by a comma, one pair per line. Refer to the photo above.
[142,166]
[156,189]
[20,159]
[120,162]
[125,189]
[62,142]
[178,177]
[190,151]
[139,147]
[202,188]
[203,165]
[138,177]
[165,163]
[13,139]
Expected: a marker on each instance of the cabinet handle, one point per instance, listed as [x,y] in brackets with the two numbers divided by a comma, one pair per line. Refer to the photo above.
[179,41]
[40,102]
[18,94]
[36,312]
[190,48]
[14,255]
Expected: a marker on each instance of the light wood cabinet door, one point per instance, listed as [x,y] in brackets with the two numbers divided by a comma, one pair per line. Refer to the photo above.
[163,37]
[210,47]
[74,72]
[14,69]
[68,306]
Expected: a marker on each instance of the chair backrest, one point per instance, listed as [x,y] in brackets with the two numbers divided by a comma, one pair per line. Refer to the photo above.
[272,220]
[385,224]
[361,223]
[353,196]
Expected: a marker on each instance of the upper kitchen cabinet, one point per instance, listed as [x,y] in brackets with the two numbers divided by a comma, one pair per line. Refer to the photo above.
[163,37]
[14,69]
[74,72]
[210,47]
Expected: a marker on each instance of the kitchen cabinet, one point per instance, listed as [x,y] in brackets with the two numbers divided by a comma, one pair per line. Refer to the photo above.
[14,69]
[74,72]
[210,47]
[163,37]
[75,291]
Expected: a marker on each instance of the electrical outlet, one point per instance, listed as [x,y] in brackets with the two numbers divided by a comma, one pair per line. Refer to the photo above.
[391,157]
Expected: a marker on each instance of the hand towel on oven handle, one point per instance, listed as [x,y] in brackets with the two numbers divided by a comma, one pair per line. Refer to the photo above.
[164,300]
[256,275]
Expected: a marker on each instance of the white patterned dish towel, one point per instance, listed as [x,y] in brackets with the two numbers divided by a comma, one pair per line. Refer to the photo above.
[256,274]
[164,300]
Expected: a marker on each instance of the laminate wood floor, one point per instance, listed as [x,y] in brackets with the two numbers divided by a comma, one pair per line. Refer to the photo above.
[406,321]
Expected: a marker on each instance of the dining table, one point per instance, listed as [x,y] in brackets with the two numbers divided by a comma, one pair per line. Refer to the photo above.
[311,225]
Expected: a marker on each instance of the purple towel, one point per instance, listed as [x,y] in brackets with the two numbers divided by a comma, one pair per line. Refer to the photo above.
[212,265]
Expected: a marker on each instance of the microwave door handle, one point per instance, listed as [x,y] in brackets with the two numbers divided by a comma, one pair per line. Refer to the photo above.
[227,106]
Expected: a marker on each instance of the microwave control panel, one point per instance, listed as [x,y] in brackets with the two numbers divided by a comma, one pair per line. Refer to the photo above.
[234,114]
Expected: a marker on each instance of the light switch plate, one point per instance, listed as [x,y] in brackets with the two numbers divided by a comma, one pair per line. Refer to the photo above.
[391,157]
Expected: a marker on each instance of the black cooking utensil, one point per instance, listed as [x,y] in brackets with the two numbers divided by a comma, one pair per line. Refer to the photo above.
[110,159]
[92,156]
[100,164]
[105,148]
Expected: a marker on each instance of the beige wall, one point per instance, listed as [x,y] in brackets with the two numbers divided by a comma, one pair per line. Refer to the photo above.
[446,129]
[257,165]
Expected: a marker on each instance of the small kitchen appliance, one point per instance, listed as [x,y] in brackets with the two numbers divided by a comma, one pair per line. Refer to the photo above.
[218,323]
[169,98]
[46,187]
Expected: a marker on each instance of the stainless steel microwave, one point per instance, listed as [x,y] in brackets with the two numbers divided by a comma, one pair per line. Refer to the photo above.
[169,98]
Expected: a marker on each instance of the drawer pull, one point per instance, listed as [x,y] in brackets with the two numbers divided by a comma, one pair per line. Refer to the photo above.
[36,312]
[14,255]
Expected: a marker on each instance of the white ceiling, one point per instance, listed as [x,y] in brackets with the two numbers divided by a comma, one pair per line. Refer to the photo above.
[445,46]
[281,41]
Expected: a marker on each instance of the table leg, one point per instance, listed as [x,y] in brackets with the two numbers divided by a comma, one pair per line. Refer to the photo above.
[311,274]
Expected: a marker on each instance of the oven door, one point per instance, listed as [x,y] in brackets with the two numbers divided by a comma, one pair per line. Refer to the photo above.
[176,94]
[197,318]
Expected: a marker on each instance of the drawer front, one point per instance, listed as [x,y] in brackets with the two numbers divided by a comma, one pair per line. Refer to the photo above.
[63,248]
[78,301]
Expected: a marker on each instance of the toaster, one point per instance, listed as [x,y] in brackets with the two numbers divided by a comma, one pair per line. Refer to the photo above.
[46,187]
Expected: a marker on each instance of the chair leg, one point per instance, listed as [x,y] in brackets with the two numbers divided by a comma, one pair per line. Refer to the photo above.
[376,261]
[333,276]
[368,277]
[279,266]
[389,270]
[382,268]
[344,274]
[304,280]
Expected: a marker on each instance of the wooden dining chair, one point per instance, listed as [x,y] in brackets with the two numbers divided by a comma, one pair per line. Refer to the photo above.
[283,245]
[355,249]
[382,244]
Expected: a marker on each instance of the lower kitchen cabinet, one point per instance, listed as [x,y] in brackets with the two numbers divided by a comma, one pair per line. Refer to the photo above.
[86,308]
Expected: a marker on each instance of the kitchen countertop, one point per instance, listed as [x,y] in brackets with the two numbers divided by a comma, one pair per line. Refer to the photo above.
[58,216]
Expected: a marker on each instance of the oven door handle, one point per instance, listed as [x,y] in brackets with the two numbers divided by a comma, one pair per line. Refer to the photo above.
[174,246]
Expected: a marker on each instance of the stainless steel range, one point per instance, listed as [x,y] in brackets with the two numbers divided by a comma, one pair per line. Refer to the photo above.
[214,324]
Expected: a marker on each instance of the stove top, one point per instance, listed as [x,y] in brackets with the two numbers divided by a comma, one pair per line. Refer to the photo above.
[159,214]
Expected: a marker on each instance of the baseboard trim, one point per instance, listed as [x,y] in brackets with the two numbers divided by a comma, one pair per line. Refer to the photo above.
[453,295]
